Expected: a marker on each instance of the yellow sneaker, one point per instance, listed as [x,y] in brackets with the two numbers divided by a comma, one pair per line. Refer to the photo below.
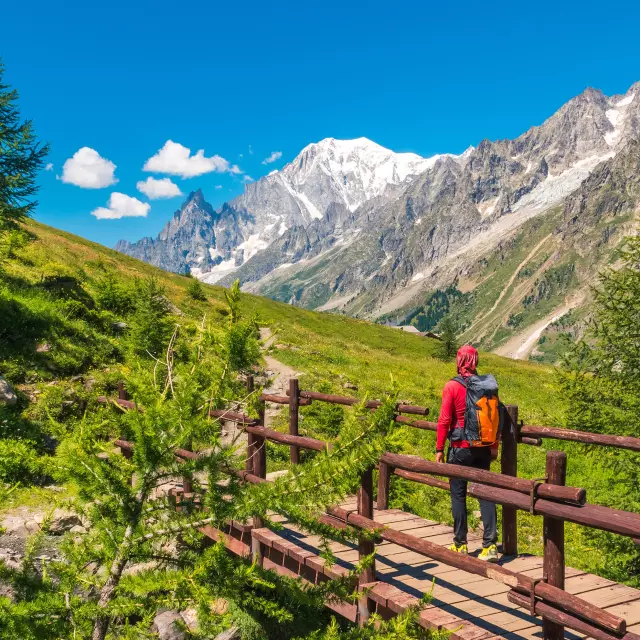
[458,548]
[489,554]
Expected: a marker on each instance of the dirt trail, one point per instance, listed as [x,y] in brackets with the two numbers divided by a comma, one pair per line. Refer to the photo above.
[278,373]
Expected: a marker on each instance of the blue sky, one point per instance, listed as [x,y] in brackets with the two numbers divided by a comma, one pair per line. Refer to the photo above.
[242,80]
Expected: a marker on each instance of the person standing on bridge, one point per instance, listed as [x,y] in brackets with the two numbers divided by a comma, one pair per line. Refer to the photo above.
[470,418]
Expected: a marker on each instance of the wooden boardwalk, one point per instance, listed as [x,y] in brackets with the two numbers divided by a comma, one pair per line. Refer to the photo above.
[470,606]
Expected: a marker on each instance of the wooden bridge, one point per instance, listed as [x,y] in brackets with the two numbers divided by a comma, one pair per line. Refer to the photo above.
[522,596]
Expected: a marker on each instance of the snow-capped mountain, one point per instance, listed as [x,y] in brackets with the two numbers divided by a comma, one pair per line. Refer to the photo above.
[351,226]
[213,245]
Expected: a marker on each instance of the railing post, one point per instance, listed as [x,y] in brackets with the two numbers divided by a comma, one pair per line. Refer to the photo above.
[366,547]
[248,465]
[122,394]
[294,403]
[509,467]
[365,508]
[384,477]
[260,470]
[553,562]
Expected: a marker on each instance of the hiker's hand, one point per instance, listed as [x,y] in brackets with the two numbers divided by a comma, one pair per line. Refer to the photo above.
[440,456]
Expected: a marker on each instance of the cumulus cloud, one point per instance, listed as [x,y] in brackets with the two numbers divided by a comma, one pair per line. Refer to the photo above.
[218,186]
[247,178]
[122,206]
[88,169]
[275,155]
[49,166]
[250,150]
[235,169]
[176,159]
[156,189]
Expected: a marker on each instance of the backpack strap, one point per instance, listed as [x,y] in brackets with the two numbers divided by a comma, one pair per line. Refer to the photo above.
[461,380]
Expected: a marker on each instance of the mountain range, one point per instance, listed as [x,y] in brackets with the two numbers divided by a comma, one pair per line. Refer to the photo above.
[507,236]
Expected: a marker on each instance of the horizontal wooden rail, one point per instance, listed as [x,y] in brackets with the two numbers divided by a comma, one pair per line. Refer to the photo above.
[127,404]
[621,442]
[284,438]
[232,416]
[568,602]
[523,485]
[269,397]
[553,614]
[623,523]
[370,404]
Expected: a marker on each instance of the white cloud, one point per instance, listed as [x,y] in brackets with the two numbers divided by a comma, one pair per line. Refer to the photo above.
[218,186]
[235,169]
[175,159]
[121,206]
[275,155]
[156,189]
[248,178]
[88,169]
[250,150]
[49,167]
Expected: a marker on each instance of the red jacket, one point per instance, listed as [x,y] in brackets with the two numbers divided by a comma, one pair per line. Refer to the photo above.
[454,399]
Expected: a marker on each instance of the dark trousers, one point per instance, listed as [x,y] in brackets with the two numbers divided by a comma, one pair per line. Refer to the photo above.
[478,458]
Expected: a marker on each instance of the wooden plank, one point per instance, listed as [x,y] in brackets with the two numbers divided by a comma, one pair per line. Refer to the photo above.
[630,611]
[609,596]
[426,531]
[384,517]
[586,582]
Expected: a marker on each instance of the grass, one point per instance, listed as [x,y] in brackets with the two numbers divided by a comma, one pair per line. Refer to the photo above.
[328,349]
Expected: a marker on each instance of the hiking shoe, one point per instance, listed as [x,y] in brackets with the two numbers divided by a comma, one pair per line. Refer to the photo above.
[458,548]
[489,554]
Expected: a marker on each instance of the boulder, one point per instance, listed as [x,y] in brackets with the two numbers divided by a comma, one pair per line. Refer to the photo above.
[164,624]
[230,634]
[7,394]
[62,521]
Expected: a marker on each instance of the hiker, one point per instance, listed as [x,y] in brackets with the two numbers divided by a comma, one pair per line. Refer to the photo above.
[470,420]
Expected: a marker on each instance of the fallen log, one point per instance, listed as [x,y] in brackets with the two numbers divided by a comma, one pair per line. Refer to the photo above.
[523,485]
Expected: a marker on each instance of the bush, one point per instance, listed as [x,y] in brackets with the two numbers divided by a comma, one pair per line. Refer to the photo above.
[195,291]
[19,461]
[112,295]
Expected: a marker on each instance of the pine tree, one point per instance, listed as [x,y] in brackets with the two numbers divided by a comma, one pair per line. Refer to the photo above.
[141,555]
[21,157]
[448,338]
[195,290]
[600,381]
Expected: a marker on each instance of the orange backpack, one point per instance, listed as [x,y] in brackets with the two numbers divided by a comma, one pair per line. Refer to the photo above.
[483,412]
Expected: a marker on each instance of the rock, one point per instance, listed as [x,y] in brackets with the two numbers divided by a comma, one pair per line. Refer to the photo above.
[43,348]
[119,326]
[15,526]
[79,378]
[229,634]
[7,394]
[164,624]
[89,384]
[78,529]
[62,521]
[350,385]
[190,617]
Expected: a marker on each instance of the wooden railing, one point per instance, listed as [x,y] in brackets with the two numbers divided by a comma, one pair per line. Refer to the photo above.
[548,497]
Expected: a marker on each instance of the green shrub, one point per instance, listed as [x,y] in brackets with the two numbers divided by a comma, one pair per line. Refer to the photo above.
[19,461]
[195,290]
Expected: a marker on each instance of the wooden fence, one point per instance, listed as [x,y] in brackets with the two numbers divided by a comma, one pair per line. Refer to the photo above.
[548,497]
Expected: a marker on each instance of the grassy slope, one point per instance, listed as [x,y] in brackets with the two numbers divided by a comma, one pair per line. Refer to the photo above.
[327,348]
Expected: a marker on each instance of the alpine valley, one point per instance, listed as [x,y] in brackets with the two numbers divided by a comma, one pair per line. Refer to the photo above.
[507,238]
